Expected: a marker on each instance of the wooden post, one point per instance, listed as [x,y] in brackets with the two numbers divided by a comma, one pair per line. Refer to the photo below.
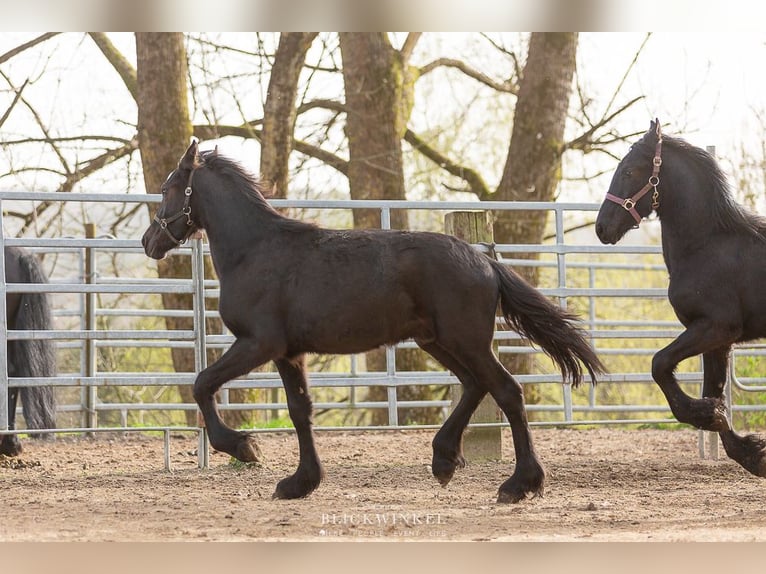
[483,443]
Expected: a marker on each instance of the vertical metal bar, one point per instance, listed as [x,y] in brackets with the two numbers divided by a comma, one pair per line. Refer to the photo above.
[712,437]
[200,340]
[3,334]
[91,366]
[166,437]
[562,282]
[592,319]
[393,411]
[385,218]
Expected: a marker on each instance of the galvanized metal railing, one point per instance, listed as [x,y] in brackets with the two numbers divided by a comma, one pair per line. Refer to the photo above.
[568,411]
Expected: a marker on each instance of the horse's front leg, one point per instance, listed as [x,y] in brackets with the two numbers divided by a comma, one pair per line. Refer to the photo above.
[310,472]
[10,445]
[702,337]
[748,450]
[242,357]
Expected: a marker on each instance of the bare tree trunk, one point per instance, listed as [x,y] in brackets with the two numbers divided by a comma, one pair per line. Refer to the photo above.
[164,130]
[533,166]
[378,91]
[279,110]
[372,73]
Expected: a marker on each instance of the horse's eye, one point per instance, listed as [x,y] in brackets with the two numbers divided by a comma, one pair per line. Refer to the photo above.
[627,173]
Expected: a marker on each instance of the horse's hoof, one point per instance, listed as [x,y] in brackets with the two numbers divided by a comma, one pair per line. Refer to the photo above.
[524,481]
[299,485]
[504,497]
[749,451]
[248,449]
[443,467]
[11,447]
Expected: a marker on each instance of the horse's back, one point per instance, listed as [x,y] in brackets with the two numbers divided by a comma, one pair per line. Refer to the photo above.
[350,291]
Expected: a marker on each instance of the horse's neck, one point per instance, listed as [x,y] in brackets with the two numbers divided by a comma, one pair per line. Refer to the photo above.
[235,225]
[685,214]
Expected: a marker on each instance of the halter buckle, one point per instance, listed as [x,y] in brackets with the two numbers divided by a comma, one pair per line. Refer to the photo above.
[628,204]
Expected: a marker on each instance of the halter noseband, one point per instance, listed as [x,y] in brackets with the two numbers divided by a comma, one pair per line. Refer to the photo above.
[185,212]
[629,203]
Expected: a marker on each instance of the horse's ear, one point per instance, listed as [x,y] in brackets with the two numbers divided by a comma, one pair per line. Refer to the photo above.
[189,159]
[654,127]
[654,133]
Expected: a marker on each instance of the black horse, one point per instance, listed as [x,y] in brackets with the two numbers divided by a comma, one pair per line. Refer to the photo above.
[715,252]
[289,288]
[28,357]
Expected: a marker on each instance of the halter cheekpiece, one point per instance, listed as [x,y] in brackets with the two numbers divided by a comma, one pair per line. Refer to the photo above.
[185,212]
[629,203]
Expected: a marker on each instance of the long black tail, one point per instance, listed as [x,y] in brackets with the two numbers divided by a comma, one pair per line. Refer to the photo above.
[34,357]
[533,316]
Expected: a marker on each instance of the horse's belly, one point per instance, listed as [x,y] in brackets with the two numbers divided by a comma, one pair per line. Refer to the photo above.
[358,335]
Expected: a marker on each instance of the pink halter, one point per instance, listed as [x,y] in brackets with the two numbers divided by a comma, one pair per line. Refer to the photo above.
[629,203]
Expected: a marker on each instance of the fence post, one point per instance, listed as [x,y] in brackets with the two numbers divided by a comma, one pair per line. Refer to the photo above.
[4,422]
[91,364]
[479,443]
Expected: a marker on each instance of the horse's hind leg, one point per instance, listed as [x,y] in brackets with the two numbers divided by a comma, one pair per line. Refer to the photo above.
[242,357]
[448,442]
[10,445]
[748,450]
[309,473]
[529,476]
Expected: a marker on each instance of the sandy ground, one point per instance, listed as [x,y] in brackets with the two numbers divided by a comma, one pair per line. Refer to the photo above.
[603,485]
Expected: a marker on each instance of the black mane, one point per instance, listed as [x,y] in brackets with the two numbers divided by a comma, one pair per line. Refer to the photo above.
[249,185]
[727,213]
[245,182]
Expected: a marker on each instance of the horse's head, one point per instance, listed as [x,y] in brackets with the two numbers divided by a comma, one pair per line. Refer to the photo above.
[175,219]
[633,192]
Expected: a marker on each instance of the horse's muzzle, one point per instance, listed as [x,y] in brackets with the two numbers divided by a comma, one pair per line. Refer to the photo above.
[150,240]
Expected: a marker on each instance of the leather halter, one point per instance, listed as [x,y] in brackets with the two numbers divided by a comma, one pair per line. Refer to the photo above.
[629,203]
[185,212]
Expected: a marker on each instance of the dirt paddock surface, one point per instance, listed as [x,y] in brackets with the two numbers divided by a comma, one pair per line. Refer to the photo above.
[602,485]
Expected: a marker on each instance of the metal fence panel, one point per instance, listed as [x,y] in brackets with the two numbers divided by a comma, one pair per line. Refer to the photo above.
[572,277]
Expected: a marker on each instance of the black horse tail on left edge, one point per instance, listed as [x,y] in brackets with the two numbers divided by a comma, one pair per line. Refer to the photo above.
[533,316]
[34,357]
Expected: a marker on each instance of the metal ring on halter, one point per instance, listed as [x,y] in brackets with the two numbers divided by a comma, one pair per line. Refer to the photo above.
[654,181]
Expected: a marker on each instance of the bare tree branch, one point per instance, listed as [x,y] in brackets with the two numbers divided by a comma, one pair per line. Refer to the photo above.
[15,101]
[518,68]
[409,45]
[43,128]
[585,141]
[121,65]
[246,131]
[474,180]
[508,86]
[18,49]
[97,163]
